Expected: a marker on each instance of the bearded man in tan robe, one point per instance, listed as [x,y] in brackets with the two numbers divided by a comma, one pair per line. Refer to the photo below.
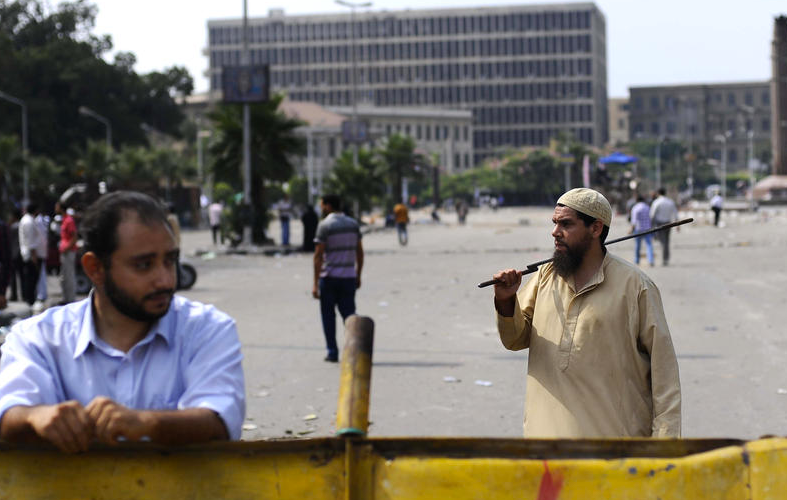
[601,361]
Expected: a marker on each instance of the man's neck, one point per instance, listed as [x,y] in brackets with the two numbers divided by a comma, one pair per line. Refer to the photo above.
[115,328]
[589,267]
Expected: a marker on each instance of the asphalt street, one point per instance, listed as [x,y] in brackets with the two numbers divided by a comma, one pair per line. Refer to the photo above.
[439,368]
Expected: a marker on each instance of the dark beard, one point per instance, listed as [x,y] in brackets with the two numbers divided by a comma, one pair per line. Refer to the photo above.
[566,263]
[127,306]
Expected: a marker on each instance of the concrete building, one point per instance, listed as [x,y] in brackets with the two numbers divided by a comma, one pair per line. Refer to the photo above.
[618,110]
[526,72]
[706,117]
[443,134]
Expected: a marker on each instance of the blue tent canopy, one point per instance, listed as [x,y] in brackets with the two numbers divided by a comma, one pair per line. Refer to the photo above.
[618,157]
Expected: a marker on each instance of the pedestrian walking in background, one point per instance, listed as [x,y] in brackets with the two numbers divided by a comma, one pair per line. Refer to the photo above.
[461,211]
[42,226]
[15,270]
[640,221]
[338,261]
[284,208]
[68,253]
[401,218]
[214,218]
[601,361]
[716,204]
[29,248]
[309,220]
[663,211]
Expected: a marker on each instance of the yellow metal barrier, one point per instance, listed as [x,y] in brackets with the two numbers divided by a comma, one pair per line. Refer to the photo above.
[356,467]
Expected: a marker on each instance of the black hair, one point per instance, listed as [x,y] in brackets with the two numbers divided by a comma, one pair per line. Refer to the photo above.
[32,207]
[662,191]
[102,218]
[588,220]
[334,200]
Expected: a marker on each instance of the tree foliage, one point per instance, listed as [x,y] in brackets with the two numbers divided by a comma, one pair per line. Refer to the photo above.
[274,144]
[50,59]
[357,184]
[400,160]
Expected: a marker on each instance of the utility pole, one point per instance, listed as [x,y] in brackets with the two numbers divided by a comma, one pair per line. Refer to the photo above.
[248,211]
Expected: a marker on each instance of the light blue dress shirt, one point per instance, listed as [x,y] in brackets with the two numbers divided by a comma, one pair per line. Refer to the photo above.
[190,359]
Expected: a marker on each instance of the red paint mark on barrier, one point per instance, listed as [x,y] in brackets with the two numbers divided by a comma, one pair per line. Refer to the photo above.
[550,486]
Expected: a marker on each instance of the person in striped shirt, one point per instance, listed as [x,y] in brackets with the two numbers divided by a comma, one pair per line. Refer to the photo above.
[338,260]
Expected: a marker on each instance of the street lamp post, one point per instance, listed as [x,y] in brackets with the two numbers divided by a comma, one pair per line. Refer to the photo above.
[25,168]
[246,60]
[750,137]
[658,161]
[354,96]
[750,150]
[723,139]
[84,110]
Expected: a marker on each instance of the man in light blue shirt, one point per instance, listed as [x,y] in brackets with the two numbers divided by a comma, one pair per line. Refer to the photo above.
[132,362]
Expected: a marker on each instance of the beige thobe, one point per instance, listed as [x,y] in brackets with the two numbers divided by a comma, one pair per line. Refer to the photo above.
[601,361]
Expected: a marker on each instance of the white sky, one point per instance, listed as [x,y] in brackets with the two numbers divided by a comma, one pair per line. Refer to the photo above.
[653,42]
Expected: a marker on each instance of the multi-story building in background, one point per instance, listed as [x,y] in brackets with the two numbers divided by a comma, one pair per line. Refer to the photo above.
[707,117]
[527,72]
[618,111]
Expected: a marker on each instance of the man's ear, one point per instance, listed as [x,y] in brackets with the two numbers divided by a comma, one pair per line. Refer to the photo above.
[93,267]
[596,228]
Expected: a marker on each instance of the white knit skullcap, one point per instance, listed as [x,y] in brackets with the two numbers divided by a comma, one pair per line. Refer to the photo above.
[589,202]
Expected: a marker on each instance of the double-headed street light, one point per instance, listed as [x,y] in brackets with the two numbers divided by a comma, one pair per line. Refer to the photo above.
[723,139]
[25,168]
[354,97]
[84,110]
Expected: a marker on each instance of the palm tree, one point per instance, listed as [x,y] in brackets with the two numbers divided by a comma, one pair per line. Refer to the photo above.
[400,160]
[273,146]
[357,184]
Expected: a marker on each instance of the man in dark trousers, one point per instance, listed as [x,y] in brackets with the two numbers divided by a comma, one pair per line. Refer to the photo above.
[310,221]
[338,260]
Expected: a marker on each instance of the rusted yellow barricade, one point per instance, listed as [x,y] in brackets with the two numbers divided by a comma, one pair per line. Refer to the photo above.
[353,466]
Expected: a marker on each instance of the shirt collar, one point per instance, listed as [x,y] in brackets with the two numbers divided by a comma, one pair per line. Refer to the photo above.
[87,334]
[594,281]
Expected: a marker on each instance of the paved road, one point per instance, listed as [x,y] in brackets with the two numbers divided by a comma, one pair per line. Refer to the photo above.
[723,295]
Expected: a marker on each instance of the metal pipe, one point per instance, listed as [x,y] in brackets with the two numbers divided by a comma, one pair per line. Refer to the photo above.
[531,268]
[352,415]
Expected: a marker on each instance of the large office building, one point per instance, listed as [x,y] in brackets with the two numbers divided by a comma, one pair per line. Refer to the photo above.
[618,109]
[527,73]
[707,117]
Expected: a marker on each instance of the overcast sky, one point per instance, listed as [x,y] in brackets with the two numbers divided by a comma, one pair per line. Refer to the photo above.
[657,42]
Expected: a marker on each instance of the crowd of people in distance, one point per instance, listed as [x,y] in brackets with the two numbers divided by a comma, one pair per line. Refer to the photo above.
[33,244]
